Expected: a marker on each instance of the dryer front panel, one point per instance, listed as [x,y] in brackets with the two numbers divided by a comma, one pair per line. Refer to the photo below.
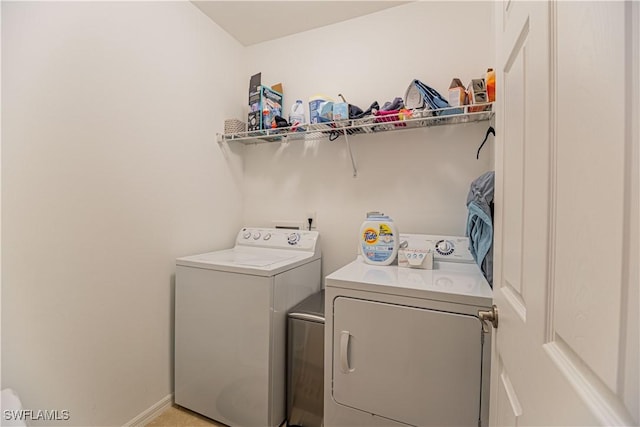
[413,365]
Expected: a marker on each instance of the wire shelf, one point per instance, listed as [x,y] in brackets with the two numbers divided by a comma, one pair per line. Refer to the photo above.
[367,125]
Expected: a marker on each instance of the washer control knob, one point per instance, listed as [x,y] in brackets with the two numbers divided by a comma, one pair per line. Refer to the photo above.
[246,234]
[444,247]
[267,236]
[293,238]
[256,235]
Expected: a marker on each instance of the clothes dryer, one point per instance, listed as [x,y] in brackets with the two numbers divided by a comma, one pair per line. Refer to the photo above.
[230,324]
[405,346]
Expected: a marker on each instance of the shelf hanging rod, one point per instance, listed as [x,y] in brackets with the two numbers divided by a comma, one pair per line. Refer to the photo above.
[353,162]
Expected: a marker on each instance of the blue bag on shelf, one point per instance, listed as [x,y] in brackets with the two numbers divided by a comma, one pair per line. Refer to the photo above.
[432,99]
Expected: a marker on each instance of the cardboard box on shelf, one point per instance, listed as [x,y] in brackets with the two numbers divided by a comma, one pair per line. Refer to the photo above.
[477,93]
[457,94]
[264,104]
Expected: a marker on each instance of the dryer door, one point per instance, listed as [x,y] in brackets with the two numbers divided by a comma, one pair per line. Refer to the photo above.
[413,365]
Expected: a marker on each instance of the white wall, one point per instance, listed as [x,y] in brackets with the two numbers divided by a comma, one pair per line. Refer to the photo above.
[420,178]
[110,171]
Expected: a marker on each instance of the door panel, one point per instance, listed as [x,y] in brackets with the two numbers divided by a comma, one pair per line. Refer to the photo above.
[508,406]
[416,366]
[590,184]
[514,184]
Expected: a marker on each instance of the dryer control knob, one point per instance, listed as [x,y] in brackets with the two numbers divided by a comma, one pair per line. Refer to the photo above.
[267,236]
[256,235]
[246,234]
[444,247]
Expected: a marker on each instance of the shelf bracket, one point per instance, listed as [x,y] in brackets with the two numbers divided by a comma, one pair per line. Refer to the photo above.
[353,162]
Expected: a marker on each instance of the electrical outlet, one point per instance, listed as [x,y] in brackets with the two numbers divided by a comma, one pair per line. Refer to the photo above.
[314,220]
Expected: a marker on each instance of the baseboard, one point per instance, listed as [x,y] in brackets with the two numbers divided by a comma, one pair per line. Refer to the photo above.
[151,413]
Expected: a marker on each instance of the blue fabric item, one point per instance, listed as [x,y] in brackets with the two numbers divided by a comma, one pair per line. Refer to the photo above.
[480,222]
[432,98]
[480,232]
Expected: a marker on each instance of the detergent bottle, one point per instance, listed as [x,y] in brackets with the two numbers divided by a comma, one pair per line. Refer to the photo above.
[297,113]
[491,85]
[379,239]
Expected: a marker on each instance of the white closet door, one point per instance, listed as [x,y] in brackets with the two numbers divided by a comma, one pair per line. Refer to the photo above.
[566,244]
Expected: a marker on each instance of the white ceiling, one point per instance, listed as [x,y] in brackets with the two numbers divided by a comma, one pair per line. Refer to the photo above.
[252,22]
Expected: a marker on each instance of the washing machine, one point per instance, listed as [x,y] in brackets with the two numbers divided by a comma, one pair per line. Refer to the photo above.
[404,345]
[230,324]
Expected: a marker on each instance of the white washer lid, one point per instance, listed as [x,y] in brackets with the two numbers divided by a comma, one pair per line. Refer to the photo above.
[233,256]
[448,281]
[255,261]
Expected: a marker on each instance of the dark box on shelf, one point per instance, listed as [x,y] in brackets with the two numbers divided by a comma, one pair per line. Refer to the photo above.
[264,104]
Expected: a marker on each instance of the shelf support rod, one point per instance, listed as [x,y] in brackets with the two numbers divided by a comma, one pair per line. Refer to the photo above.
[353,161]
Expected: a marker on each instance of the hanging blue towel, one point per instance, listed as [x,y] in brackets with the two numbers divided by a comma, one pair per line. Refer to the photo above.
[480,232]
[480,223]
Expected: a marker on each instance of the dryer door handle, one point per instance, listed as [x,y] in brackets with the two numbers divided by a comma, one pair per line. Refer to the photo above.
[345,338]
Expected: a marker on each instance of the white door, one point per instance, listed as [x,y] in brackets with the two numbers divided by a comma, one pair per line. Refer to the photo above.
[566,240]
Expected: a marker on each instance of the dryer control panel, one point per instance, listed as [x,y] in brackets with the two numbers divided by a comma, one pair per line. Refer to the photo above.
[278,238]
[444,248]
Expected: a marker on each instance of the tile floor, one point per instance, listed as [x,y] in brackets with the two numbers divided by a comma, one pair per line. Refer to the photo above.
[177,416]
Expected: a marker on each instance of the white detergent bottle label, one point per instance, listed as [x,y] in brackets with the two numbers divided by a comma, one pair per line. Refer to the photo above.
[379,241]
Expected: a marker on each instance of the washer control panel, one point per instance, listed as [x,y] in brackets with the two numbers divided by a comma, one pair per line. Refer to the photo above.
[444,248]
[278,238]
